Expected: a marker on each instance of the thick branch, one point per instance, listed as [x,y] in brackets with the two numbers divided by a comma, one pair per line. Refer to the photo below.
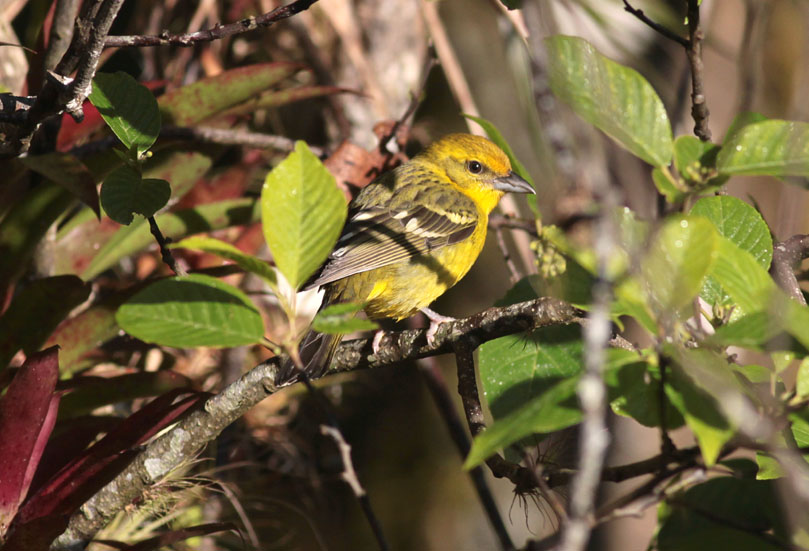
[191,435]
[216,33]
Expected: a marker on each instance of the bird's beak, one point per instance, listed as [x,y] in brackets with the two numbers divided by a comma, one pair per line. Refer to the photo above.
[513,183]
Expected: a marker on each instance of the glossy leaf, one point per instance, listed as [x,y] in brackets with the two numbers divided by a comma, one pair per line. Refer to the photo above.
[550,411]
[696,162]
[517,368]
[302,214]
[339,319]
[189,311]
[741,224]
[125,192]
[612,97]
[679,259]
[772,147]
[665,184]
[129,109]
[635,392]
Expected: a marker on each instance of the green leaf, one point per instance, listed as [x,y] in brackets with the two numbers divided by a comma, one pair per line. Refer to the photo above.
[340,319]
[741,120]
[741,224]
[701,414]
[302,214]
[553,410]
[174,225]
[742,277]
[129,109]
[705,389]
[229,252]
[773,147]
[35,312]
[680,257]
[69,172]
[635,392]
[124,192]
[517,368]
[802,383]
[730,512]
[614,98]
[664,183]
[189,311]
[494,135]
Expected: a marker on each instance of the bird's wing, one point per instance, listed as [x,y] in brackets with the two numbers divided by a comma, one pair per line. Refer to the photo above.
[416,220]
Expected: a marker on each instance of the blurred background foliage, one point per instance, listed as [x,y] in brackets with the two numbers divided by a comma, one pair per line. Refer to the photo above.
[270,470]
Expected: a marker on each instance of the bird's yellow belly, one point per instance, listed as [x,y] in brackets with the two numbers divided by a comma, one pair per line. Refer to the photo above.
[400,290]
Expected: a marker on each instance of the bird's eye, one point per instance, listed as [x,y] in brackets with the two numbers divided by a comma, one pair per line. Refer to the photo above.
[474,167]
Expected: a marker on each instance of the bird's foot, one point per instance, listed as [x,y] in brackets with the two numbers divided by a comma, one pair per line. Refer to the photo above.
[436,320]
[378,336]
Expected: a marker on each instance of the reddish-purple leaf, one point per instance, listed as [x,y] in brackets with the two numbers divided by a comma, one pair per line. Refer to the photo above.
[173,536]
[90,471]
[67,441]
[27,414]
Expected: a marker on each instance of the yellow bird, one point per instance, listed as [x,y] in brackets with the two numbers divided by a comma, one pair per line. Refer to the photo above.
[413,233]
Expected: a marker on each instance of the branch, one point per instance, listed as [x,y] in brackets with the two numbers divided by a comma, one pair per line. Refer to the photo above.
[203,134]
[693,50]
[786,255]
[60,93]
[208,35]
[699,110]
[664,31]
[192,434]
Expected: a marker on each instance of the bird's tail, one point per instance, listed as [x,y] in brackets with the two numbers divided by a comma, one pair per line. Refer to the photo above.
[317,351]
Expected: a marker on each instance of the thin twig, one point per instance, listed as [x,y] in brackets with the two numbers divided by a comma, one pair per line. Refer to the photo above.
[204,134]
[664,31]
[434,380]
[498,221]
[216,33]
[165,252]
[349,475]
[512,268]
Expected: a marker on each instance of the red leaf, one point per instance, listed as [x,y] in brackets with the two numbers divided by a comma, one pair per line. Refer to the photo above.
[27,414]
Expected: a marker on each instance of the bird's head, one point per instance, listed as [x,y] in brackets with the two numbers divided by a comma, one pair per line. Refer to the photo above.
[477,167]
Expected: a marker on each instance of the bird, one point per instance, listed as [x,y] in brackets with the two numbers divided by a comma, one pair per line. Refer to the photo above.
[411,234]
